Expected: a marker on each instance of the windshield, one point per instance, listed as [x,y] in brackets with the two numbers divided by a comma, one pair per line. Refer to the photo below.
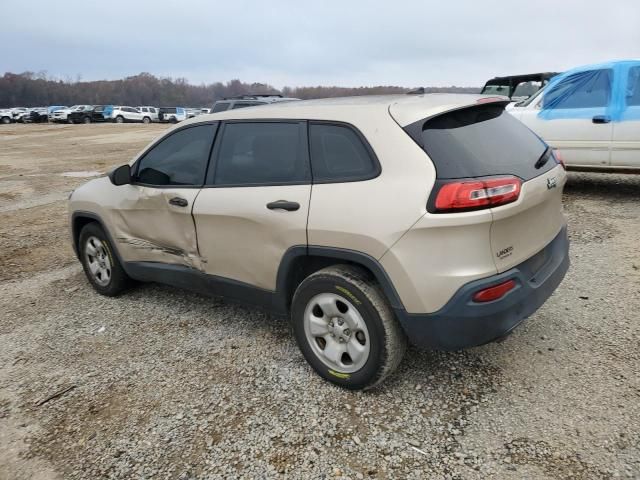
[496,90]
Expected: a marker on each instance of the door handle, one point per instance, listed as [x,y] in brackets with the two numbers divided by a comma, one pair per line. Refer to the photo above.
[178,202]
[283,205]
[601,119]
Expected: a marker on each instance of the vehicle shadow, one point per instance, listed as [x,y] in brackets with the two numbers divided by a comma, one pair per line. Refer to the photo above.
[605,186]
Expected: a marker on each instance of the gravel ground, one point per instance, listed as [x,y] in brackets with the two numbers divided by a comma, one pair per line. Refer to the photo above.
[160,383]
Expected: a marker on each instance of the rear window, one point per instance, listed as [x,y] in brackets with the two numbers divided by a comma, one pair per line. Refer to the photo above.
[168,110]
[480,141]
[220,107]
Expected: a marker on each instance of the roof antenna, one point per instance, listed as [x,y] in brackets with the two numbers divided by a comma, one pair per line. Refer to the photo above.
[417,91]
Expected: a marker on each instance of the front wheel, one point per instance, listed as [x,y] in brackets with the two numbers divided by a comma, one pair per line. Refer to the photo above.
[345,327]
[86,120]
[5,120]
[146,120]
[101,266]
[119,119]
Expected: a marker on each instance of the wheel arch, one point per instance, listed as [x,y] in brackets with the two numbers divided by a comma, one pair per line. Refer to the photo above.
[301,261]
[79,220]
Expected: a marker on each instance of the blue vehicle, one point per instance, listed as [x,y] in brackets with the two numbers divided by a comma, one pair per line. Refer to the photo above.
[590,115]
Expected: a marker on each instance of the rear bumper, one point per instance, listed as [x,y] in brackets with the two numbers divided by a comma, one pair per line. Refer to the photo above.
[463,323]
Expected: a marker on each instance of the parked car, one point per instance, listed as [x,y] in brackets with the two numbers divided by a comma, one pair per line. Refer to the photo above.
[151,112]
[62,114]
[436,218]
[120,114]
[22,115]
[193,112]
[242,101]
[38,115]
[591,115]
[87,115]
[18,112]
[172,114]
[6,116]
[517,87]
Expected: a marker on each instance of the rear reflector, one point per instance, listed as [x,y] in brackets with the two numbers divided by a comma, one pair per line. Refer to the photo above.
[495,292]
[477,194]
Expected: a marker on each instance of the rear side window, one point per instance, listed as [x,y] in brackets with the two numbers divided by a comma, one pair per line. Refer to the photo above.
[588,89]
[252,153]
[244,105]
[480,141]
[220,107]
[179,159]
[339,154]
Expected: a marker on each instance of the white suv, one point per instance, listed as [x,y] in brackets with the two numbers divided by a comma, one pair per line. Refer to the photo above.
[121,114]
[368,220]
[151,112]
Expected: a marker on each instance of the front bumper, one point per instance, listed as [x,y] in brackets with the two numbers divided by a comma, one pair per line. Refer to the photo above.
[464,323]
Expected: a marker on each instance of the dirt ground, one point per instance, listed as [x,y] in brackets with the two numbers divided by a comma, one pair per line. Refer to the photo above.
[160,383]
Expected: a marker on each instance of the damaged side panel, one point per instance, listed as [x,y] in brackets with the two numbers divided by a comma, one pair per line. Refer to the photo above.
[146,226]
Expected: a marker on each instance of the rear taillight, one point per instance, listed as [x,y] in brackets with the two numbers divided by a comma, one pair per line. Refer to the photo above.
[477,194]
[494,293]
[558,156]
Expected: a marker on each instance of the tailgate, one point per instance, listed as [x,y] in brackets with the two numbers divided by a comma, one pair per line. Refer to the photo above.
[523,228]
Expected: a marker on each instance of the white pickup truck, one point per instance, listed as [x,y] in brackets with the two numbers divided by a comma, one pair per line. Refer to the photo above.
[590,115]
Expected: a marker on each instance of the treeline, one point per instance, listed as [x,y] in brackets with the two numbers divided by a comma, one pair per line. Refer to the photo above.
[34,90]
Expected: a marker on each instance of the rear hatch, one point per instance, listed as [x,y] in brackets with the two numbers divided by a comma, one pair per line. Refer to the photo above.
[486,159]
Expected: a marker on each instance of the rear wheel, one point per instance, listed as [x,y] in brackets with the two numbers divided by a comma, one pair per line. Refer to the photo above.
[345,327]
[119,119]
[173,120]
[101,266]
[5,120]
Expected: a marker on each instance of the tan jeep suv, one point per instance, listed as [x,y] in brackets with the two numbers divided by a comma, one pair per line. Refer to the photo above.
[369,220]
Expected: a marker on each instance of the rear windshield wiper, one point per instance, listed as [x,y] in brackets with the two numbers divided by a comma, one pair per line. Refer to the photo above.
[542,161]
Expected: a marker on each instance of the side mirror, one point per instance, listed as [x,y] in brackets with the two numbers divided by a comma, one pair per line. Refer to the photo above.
[121,175]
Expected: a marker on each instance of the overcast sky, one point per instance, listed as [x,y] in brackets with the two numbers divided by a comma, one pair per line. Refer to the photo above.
[303,42]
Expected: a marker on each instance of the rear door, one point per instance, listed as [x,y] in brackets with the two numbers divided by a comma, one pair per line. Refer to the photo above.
[573,115]
[483,143]
[625,151]
[255,204]
[153,221]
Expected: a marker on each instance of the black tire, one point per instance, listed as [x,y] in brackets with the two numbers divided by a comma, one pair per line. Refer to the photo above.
[5,120]
[119,119]
[146,120]
[86,120]
[387,340]
[119,280]
[173,120]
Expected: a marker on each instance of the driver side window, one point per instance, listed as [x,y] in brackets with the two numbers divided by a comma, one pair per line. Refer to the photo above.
[179,159]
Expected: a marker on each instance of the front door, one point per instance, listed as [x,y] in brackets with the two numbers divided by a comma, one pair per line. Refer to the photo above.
[625,151]
[256,201]
[153,221]
[574,116]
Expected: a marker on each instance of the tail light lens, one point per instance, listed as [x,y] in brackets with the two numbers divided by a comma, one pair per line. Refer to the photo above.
[495,292]
[558,156]
[477,194]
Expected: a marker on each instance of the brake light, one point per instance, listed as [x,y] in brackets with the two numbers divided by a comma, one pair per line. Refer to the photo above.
[558,156]
[495,292]
[477,194]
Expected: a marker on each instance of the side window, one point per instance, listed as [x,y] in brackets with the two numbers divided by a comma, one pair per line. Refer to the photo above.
[338,154]
[220,107]
[581,90]
[633,87]
[244,105]
[261,153]
[179,159]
